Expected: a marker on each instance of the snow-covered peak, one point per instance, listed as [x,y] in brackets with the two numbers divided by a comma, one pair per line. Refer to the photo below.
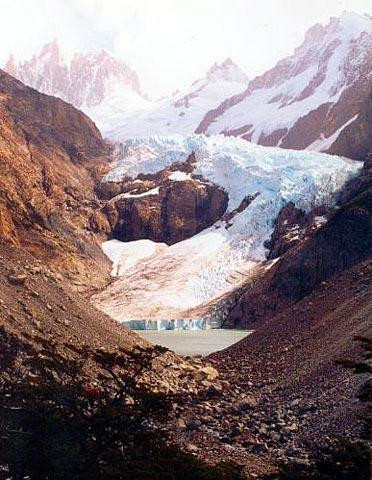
[50,57]
[347,24]
[89,81]
[97,76]
[325,48]
[291,105]
[51,51]
[183,111]
[356,22]
[227,71]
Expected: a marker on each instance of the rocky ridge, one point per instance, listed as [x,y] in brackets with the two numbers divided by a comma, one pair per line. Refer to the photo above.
[83,83]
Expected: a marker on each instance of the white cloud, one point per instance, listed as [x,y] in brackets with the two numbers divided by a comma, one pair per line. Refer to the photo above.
[169,42]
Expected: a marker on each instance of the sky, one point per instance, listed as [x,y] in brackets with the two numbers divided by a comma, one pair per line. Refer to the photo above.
[170,43]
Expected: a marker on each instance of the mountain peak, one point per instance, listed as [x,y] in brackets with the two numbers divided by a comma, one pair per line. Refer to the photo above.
[308,98]
[349,23]
[228,71]
[53,51]
[86,81]
[52,45]
[10,65]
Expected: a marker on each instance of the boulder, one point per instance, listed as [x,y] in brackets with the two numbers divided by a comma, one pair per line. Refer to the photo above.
[17,278]
[206,373]
[246,404]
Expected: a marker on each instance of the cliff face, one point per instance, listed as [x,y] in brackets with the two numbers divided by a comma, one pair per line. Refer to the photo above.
[176,211]
[50,157]
[355,141]
[168,206]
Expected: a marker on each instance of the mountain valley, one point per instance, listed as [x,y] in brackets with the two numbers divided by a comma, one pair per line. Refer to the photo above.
[236,204]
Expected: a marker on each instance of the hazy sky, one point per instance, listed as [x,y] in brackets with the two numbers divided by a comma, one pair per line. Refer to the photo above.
[170,43]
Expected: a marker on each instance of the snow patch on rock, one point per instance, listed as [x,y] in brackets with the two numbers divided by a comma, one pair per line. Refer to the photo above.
[323,143]
[153,191]
[179,176]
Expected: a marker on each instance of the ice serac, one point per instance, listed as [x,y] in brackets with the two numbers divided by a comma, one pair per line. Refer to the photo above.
[176,282]
[98,83]
[310,99]
[182,112]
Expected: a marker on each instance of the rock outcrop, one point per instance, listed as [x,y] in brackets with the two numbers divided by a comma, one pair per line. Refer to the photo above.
[174,212]
[292,226]
[168,206]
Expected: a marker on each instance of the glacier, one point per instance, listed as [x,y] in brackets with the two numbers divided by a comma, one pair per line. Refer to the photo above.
[157,281]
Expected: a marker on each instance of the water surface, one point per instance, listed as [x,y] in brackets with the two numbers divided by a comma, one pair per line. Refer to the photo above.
[194,342]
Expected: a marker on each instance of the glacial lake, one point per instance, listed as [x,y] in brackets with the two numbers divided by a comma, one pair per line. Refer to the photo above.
[194,342]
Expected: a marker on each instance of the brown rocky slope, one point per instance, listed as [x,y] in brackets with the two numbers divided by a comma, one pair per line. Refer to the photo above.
[50,156]
[296,397]
[288,396]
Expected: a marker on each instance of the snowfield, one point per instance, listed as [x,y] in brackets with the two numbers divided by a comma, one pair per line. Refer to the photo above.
[118,101]
[181,113]
[172,280]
